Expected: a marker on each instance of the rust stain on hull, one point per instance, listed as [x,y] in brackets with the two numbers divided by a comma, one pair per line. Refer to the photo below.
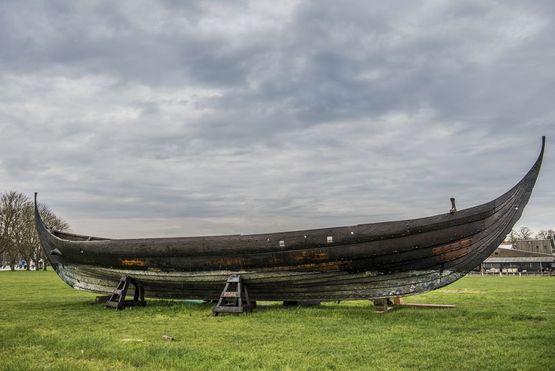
[133,262]
[226,262]
[311,255]
[453,250]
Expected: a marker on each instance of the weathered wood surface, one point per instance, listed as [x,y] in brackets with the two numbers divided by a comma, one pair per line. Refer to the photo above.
[362,261]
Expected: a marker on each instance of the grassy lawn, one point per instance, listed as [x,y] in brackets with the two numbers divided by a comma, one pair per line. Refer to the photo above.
[499,323]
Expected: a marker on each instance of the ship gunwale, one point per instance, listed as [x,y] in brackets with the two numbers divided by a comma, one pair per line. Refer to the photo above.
[454,243]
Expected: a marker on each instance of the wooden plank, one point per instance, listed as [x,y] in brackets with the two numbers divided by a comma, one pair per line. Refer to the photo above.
[432,306]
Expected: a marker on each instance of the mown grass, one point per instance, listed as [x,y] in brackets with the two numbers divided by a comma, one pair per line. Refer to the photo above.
[499,323]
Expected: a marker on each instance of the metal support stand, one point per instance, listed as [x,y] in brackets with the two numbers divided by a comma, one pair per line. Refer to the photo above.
[234,297]
[117,299]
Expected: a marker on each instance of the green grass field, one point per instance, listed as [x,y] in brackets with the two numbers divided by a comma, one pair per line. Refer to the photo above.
[499,323]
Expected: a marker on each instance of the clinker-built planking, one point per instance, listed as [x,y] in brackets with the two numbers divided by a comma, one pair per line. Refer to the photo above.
[365,261]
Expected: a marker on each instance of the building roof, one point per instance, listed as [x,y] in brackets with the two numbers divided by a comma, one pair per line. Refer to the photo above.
[520,259]
[503,252]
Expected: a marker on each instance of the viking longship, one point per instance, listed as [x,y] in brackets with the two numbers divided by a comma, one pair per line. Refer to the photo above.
[364,261]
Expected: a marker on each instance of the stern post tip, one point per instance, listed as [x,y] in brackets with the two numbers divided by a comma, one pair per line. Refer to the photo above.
[37,213]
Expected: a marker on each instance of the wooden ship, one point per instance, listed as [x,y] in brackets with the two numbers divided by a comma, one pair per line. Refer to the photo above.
[364,261]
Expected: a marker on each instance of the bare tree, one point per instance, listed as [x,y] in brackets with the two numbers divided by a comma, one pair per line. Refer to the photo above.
[513,236]
[12,205]
[28,243]
[545,234]
[542,235]
[525,233]
[18,235]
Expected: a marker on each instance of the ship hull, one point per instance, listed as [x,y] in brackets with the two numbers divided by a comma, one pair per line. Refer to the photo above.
[365,261]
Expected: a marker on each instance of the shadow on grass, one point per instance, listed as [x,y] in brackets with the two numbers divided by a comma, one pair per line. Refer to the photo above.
[353,310]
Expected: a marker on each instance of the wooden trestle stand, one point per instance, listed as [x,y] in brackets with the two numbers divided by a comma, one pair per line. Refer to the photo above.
[385,305]
[234,297]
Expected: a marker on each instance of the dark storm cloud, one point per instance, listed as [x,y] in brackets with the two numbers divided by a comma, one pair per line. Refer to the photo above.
[168,118]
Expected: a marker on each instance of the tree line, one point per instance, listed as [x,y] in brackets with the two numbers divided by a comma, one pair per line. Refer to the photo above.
[525,233]
[19,239]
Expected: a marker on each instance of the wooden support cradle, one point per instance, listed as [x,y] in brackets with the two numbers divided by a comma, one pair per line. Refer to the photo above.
[385,305]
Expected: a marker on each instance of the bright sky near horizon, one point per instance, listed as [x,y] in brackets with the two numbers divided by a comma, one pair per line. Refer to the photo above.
[168,118]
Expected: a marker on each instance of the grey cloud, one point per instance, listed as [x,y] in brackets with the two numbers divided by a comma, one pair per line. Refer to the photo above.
[192,118]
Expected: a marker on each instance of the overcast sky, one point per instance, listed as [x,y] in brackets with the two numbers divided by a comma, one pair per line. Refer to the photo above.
[168,118]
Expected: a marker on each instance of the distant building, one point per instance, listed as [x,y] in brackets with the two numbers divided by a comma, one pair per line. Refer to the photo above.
[536,246]
[528,256]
